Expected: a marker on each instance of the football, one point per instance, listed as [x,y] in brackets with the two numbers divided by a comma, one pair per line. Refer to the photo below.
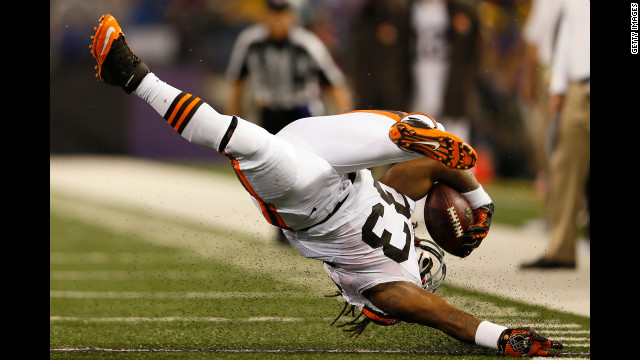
[447,215]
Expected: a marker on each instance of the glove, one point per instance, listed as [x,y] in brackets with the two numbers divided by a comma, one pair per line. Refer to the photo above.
[524,342]
[479,229]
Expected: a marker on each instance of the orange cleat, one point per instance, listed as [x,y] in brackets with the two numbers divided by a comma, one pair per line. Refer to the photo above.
[117,65]
[106,32]
[413,134]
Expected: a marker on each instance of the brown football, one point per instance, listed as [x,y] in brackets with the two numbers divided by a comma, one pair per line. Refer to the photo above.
[447,215]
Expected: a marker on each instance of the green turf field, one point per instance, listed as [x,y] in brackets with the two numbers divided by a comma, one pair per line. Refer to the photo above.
[119,289]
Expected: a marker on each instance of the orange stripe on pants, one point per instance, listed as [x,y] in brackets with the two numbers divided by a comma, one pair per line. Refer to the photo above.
[268,210]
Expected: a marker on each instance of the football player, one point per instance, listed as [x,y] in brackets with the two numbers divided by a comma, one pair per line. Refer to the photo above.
[311,180]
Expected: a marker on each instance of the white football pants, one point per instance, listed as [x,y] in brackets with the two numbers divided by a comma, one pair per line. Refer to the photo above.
[289,174]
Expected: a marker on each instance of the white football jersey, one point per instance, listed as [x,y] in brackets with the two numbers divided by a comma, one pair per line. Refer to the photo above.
[368,241]
[311,179]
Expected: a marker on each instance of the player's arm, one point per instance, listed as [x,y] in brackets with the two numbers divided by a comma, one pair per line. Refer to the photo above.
[414,179]
[411,303]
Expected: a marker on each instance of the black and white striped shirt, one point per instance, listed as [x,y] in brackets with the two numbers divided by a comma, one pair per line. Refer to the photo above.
[283,75]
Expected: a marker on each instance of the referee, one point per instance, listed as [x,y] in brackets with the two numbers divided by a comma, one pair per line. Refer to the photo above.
[284,68]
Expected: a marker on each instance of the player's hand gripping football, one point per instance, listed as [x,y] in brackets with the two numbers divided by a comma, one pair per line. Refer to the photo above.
[478,229]
[524,342]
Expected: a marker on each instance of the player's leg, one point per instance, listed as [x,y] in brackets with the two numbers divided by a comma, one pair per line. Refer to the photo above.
[188,115]
[282,179]
[365,139]
[349,142]
[285,181]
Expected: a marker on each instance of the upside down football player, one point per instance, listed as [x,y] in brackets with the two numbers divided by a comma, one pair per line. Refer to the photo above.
[311,179]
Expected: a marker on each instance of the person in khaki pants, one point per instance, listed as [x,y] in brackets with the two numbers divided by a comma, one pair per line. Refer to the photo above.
[569,161]
[568,173]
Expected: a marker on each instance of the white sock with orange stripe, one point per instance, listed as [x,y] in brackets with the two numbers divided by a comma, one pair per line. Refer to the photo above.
[156,93]
[188,115]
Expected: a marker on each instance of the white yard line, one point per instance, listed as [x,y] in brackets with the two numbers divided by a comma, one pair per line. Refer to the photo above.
[570,339]
[92,275]
[65,294]
[183,319]
[576,332]
[574,355]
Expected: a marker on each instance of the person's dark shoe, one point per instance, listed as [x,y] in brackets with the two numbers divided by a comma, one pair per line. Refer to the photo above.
[544,263]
